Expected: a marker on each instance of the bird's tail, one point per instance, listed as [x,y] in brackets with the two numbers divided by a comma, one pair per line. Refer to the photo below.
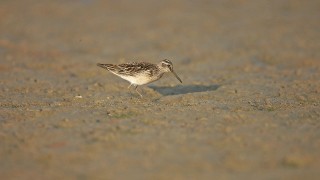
[109,67]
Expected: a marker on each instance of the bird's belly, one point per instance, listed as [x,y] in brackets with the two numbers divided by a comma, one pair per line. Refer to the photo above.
[140,80]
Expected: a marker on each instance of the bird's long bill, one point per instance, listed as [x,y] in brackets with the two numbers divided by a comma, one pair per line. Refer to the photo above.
[176,76]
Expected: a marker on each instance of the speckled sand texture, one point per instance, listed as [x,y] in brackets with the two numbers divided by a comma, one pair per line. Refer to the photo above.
[248,107]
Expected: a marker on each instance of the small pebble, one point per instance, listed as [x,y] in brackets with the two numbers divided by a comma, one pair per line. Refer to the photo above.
[78,96]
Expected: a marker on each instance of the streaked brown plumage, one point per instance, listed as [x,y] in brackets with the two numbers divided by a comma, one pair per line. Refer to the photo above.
[140,73]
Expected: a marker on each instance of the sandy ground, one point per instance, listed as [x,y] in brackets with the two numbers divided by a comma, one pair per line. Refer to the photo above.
[248,107]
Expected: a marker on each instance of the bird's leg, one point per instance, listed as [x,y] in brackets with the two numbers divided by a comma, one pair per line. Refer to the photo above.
[136,88]
[130,88]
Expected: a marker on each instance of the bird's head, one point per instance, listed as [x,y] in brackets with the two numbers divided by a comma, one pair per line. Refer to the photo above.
[168,67]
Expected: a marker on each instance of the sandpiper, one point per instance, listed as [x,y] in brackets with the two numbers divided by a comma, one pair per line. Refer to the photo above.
[140,73]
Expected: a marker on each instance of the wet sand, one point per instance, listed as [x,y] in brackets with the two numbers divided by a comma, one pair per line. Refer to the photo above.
[248,107]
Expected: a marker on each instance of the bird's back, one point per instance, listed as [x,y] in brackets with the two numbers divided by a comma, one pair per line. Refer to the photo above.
[131,69]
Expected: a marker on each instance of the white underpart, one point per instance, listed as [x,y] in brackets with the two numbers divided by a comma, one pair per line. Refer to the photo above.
[139,79]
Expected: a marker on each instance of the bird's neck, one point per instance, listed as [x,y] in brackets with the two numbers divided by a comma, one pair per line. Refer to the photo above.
[161,69]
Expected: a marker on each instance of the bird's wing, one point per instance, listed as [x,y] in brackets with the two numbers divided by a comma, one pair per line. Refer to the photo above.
[130,69]
[134,68]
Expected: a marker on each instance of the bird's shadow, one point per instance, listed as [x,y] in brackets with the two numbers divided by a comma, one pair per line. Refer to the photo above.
[167,91]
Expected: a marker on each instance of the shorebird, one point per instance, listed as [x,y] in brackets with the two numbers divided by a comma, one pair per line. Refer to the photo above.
[140,73]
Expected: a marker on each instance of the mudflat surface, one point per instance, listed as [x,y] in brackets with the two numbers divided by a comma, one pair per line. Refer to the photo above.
[248,107]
